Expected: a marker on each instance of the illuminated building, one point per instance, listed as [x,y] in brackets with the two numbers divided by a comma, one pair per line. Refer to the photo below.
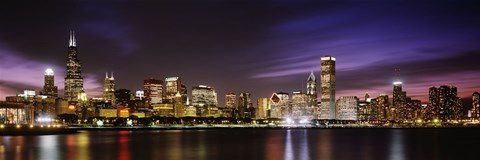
[178,106]
[475,111]
[204,96]
[165,109]
[399,101]
[108,113]
[109,89]
[347,108]
[263,106]
[244,103]
[448,107]
[123,112]
[49,88]
[73,80]
[15,113]
[312,90]
[230,100]
[300,106]
[279,105]
[327,84]
[190,111]
[172,86]
[184,93]
[153,90]
[380,108]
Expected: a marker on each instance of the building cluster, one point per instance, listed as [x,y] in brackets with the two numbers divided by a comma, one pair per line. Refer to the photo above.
[169,98]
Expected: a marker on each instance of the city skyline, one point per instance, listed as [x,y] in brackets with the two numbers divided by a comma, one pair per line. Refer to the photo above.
[281,63]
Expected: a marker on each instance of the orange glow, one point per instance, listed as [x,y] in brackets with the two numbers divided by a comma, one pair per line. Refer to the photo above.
[71,106]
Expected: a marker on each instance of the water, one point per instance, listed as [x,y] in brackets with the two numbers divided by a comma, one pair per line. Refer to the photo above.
[270,144]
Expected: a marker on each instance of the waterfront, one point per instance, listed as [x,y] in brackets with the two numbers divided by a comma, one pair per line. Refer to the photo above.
[274,144]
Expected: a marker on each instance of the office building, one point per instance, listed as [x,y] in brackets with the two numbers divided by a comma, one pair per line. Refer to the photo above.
[327,84]
[73,80]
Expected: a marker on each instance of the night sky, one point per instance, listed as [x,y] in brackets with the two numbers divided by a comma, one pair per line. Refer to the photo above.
[245,46]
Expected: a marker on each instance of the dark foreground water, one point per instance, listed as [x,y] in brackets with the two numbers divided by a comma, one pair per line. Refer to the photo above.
[271,144]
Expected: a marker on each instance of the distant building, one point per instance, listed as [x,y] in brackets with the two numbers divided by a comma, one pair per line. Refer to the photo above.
[73,80]
[279,105]
[475,111]
[312,90]
[301,106]
[380,108]
[49,88]
[230,100]
[139,95]
[172,86]
[204,96]
[179,107]
[109,89]
[244,102]
[347,108]
[153,91]
[327,83]
[263,106]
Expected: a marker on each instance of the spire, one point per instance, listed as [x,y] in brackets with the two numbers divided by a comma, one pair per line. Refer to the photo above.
[112,76]
[106,75]
[72,42]
[311,77]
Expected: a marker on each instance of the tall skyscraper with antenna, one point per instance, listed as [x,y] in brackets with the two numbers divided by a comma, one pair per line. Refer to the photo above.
[73,80]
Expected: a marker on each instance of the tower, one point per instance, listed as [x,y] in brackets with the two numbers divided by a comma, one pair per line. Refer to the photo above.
[49,88]
[327,83]
[312,90]
[109,89]
[73,80]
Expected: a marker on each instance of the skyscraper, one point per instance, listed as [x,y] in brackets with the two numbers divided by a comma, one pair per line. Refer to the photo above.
[399,101]
[230,100]
[204,96]
[153,90]
[280,105]
[172,86]
[327,83]
[244,102]
[49,88]
[312,90]
[109,89]
[73,80]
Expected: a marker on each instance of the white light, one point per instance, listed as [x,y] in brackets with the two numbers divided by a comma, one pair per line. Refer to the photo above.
[99,123]
[397,83]
[289,121]
[327,58]
[129,122]
[49,72]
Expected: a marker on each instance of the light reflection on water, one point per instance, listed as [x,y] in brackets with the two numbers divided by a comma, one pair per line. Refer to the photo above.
[232,144]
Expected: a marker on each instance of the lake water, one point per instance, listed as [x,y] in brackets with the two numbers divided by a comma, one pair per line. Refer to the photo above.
[248,144]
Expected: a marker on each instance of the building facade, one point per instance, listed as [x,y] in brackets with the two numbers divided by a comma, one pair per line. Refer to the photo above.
[327,84]
[263,106]
[153,91]
[230,100]
[172,86]
[204,96]
[347,108]
[280,105]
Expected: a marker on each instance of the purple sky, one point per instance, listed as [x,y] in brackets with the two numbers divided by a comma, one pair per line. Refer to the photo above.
[245,46]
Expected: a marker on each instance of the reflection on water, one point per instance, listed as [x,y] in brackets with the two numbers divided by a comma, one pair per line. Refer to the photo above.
[396,145]
[297,144]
